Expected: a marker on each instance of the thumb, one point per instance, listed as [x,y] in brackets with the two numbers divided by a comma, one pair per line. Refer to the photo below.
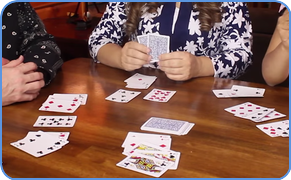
[14,63]
[4,61]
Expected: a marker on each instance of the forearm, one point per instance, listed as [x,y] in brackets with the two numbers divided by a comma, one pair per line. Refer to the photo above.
[110,55]
[275,66]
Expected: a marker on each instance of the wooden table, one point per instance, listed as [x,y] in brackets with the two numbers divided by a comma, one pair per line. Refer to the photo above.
[219,145]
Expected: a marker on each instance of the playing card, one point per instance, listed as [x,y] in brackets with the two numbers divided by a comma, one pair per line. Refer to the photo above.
[159,44]
[159,95]
[257,116]
[55,121]
[143,39]
[82,98]
[38,144]
[244,109]
[140,81]
[122,96]
[152,150]
[244,91]
[221,93]
[56,105]
[145,164]
[272,115]
[164,125]
[275,129]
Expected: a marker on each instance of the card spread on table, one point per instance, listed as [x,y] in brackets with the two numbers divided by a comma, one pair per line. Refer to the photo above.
[159,95]
[239,91]
[82,98]
[170,126]
[159,44]
[140,81]
[55,121]
[254,112]
[122,96]
[275,129]
[42,143]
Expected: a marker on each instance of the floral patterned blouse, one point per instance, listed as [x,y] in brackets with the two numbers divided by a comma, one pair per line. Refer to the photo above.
[23,33]
[227,44]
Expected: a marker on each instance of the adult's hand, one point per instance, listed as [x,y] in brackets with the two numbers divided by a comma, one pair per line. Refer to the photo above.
[20,82]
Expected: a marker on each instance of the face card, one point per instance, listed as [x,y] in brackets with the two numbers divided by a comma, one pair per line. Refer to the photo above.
[82,98]
[145,164]
[164,125]
[57,105]
[122,96]
[159,44]
[244,91]
[55,121]
[159,95]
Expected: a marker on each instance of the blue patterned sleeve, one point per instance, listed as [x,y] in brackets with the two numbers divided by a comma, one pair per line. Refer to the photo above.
[234,54]
[110,29]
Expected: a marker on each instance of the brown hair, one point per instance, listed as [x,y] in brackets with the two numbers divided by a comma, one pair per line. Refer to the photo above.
[210,13]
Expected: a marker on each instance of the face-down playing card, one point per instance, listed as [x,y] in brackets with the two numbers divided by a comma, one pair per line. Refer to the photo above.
[122,96]
[170,126]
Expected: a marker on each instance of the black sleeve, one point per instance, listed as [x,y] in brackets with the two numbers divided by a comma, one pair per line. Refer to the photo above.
[38,46]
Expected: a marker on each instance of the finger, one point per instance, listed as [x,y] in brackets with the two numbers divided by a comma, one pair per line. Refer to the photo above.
[33,91]
[173,71]
[34,86]
[27,67]
[176,77]
[139,47]
[138,56]
[5,61]
[33,76]
[171,63]
[15,63]
[172,55]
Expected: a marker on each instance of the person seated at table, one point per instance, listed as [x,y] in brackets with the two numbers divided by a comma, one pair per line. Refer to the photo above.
[275,66]
[206,38]
[30,56]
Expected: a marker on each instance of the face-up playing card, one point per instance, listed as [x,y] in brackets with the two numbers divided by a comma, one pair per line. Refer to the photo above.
[244,91]
[82,98]
[244,109]
[122,96]
[150,149]
[133,138]
[56,105]
[38,144]
[159,95]
[272,115]
[159,44]
[55,121]
[257,116]
[140,81]
[221,93]
[275,129]
[164,125]
[145,164]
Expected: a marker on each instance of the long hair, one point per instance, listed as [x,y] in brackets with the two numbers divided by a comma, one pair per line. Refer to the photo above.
[210,13]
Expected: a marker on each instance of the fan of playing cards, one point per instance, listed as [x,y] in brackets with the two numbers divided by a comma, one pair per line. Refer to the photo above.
[149,154]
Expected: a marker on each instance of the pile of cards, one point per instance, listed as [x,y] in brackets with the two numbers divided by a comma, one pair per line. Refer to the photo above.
[239,91]
[275,129]
[254,112]
[159,95]
[140,81]
[66,103]
[158,44]
[55,121]
[169,126]
[149,158]
[42,143]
